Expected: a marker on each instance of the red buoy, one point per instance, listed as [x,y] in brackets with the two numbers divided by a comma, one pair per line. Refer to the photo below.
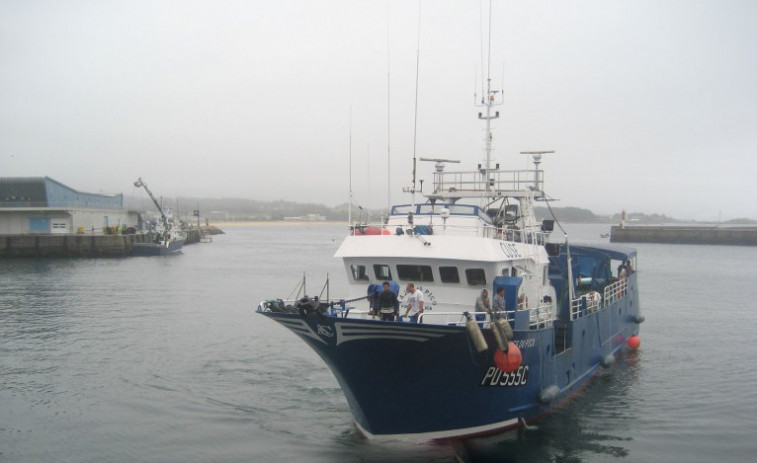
[510,361]
[360,231]
[634,342]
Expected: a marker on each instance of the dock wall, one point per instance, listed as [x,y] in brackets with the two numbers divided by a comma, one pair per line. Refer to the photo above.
[737,236]
[55,246]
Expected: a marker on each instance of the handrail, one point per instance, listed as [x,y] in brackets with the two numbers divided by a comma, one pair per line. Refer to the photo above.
[534,237]
[461,320]
[466,181]
[583,305]
[616,291]
[541,316]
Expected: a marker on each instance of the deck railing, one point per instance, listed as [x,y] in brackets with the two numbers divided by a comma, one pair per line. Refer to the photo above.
[542,316]
[446,183]
[584,305]
[535,237]
[616,291]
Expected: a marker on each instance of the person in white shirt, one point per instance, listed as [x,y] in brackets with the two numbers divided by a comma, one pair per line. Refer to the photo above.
[414,303]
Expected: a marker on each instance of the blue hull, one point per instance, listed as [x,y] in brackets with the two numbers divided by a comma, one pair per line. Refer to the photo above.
[428,382]
[152,249]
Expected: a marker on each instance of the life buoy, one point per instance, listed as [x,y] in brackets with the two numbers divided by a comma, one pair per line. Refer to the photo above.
[362,231]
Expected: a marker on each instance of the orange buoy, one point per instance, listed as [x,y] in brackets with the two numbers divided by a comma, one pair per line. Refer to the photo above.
[634,342]
[508,361]
[361,231]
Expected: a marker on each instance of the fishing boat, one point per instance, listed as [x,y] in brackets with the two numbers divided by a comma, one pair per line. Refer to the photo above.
[569,310]
[164,238]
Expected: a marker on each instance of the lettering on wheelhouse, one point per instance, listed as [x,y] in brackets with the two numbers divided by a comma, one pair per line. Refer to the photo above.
[510,250]
[428,296]
[496,377]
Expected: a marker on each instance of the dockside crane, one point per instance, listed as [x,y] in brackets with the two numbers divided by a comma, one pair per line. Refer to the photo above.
[141,183]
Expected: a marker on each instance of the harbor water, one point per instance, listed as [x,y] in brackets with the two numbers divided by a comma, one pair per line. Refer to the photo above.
[162,359]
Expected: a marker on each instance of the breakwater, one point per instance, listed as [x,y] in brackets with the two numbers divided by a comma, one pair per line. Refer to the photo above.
[680,234]
[57,246]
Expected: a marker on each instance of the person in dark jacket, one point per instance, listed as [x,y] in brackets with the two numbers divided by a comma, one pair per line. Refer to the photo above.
[388,304]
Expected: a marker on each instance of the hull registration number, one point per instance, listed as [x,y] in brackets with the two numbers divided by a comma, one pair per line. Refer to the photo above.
[496,377]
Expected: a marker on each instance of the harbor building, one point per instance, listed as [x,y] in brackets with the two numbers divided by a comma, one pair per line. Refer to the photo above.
[42,205]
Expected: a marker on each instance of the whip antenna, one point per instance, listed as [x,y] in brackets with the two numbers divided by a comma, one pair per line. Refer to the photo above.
[388,122]
[417,72]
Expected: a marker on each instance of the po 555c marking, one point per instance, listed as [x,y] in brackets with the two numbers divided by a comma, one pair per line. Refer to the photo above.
[496,377]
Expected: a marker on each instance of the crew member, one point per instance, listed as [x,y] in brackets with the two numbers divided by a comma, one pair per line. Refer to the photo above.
[498,305]
[388,304]
[414,303]
[482,302]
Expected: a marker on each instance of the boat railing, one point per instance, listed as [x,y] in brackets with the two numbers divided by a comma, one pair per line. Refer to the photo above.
[616,291]
[584,305]
[449,318]
[535,237]
[458,183]
[518,236]
[541,316]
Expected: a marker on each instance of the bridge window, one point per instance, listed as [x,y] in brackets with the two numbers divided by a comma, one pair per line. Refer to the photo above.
[359,273]
[475,276]
[415,273]
[449,274]
[383,272]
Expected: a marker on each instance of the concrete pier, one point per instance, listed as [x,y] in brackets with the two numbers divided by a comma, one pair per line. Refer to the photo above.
[675,234]
[56,246]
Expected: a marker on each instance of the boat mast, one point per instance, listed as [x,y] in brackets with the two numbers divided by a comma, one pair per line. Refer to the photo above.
[140,183]
[349,202]
[488,102]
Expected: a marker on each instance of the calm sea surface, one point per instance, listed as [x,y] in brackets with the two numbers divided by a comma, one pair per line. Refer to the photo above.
[164,360]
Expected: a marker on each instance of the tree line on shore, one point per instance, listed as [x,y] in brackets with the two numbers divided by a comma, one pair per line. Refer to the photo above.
[242,209]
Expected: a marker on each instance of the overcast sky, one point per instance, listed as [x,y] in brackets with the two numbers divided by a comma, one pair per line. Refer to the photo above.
[650,105]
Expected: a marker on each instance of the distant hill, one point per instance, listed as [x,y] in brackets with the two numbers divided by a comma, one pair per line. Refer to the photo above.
[741,221]
[239,208]
[243,209]
[568,214]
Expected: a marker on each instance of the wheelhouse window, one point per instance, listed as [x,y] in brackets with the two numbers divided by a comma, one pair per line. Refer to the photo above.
[383,272]
[449,274]
[475,276]
[415,273]
[359,273]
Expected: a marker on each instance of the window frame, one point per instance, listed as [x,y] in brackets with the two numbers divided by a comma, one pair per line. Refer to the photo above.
[417,278]
[388,267]
[354,268]
[442,275]
[468,276]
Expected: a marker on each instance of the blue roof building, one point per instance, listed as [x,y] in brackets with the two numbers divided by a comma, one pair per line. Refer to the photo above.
[41,205]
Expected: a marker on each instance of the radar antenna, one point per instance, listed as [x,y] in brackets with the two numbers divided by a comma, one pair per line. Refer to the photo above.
[439,167]
[538,184]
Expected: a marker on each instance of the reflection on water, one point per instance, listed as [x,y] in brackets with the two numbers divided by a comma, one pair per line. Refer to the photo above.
[593,423]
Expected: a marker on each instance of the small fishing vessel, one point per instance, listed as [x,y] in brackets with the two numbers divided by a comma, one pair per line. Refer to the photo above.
[164,239]
[565,314]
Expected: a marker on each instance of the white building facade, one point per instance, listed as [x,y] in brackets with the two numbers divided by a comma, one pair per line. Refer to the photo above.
[41,205]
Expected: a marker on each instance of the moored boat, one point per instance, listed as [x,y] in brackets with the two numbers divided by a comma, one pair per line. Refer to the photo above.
[164,239]
[158,244]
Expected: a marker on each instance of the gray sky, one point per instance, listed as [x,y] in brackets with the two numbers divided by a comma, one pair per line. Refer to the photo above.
[650,105]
